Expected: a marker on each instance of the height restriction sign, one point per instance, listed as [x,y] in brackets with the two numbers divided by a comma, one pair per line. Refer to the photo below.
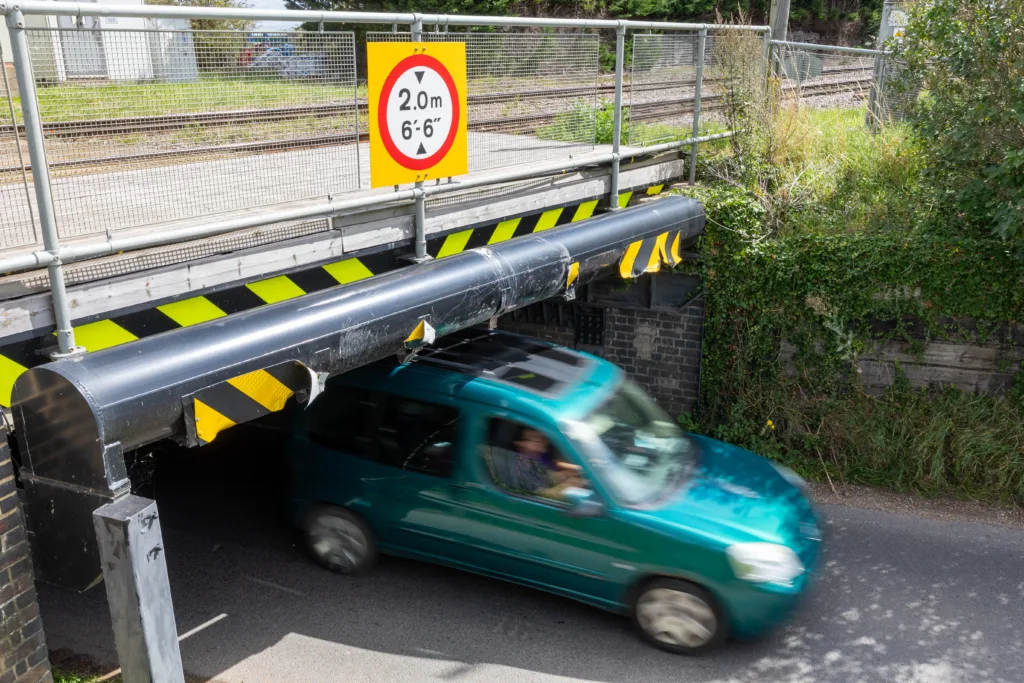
[417,102]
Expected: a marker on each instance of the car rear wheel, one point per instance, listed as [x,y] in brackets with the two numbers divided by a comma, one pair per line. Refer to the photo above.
[340,540]
[678,616]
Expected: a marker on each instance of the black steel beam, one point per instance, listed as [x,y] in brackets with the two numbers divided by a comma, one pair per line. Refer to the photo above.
[75,417]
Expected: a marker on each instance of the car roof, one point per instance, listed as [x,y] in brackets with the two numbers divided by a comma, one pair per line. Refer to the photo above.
[495,367]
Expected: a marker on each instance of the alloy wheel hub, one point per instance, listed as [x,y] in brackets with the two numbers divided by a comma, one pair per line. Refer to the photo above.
[676,618]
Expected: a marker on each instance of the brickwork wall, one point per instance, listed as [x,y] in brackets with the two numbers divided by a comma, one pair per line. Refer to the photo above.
[23,654]
[660,350]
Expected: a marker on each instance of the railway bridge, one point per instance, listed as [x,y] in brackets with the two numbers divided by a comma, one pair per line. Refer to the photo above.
[191,213]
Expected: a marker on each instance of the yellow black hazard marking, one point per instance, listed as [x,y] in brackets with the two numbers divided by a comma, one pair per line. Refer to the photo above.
[648,256]
[16,357]
[10,370]
[421,335]
[574,272]
[495,233]
[244,398]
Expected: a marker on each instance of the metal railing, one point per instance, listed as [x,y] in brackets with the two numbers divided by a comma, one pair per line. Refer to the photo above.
[129,118]
[827,77]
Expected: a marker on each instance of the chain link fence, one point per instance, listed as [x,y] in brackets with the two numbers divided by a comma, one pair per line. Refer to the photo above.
[530,96]
[154,125]
[17,198]
[825,77]
[164,123]
[662,86]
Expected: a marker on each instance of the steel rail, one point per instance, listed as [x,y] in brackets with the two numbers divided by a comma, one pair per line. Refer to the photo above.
[86,9]
[640,112]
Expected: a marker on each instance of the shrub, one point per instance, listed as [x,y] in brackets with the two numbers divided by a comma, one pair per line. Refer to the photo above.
[968,57]
[824,295]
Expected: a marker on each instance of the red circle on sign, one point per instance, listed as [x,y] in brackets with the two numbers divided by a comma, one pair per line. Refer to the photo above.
[382,113]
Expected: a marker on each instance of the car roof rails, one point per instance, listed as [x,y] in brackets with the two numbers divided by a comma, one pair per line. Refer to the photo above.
[510,358]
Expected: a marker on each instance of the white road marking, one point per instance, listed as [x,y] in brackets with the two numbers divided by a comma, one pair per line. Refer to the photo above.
[277,586]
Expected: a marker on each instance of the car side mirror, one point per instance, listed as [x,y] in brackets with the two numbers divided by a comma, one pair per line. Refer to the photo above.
[582,503]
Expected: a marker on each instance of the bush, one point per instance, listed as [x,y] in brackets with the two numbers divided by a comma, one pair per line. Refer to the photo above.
[968,56]
[824,295]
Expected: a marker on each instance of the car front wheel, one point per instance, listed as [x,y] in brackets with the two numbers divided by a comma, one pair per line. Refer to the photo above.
[340,540]
[678,616]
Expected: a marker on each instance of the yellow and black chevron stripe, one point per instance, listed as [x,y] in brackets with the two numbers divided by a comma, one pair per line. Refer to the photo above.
[244,398]
[647,256]
[17,357]
[472,238]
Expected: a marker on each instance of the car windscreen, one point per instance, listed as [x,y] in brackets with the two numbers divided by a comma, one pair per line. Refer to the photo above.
[634,448]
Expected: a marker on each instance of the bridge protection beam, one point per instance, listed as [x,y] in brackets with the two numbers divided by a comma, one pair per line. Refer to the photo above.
[76,417]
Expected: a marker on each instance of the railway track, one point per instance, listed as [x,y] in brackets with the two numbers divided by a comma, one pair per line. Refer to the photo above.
[515,125]
[172,122]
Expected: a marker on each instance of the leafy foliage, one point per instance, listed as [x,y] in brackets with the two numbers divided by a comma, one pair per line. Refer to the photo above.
[216,51]
[828,296]
[836,17]
[969,58]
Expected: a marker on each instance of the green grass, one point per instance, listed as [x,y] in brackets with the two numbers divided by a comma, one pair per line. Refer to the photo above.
[946,443]
[63,676]
[858,179]
[826,172]
[574,126]
[71,102]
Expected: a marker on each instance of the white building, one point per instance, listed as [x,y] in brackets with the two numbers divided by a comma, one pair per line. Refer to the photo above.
[77,50]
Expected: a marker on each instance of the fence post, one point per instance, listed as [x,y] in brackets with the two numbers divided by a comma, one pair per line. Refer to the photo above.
[701,41]
[766,54]
[874,112]
[620,50]
[420,214]
[138,592]
[41,181]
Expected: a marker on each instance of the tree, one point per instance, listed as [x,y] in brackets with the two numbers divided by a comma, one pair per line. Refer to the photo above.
[216,51]
[968,58]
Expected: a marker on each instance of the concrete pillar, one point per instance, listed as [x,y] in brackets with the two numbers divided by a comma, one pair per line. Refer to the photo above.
[138,592]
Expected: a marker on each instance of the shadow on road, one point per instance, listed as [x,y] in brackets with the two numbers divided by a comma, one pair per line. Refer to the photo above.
[900,599]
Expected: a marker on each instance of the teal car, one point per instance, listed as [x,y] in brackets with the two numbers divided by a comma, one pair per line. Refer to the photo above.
[533,463]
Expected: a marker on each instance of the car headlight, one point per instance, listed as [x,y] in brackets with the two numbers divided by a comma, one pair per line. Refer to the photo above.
[790,476]
[764,563]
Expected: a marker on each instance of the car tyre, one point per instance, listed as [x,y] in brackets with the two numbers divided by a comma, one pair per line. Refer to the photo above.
[678,616]
[340,540]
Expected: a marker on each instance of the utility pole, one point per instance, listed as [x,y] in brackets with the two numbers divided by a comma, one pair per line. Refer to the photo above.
[779,19]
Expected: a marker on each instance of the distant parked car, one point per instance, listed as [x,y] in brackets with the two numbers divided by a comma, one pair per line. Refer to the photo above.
[529,462]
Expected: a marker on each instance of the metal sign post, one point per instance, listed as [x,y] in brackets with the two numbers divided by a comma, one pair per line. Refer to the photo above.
[418,129]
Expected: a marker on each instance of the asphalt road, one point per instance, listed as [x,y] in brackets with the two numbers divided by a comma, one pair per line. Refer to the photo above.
[901,599]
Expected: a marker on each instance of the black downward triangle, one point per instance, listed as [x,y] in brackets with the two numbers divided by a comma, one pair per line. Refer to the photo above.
[419,76]
[421,150]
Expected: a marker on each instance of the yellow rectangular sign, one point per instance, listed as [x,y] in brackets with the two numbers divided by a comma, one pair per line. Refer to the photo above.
[417,105]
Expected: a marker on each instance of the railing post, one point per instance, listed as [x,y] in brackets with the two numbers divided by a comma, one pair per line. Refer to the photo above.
[620,50]
[41,181]
[766,55]
[874,112]
[420,214]
[701,41]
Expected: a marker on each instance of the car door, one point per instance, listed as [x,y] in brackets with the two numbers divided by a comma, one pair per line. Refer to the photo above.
[418,445]
[534,539]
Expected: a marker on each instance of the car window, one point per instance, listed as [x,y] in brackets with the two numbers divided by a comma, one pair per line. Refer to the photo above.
[418,436]
[522,460]
[342,419]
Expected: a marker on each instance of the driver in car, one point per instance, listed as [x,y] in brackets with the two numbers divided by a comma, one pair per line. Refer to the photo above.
[538,471]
